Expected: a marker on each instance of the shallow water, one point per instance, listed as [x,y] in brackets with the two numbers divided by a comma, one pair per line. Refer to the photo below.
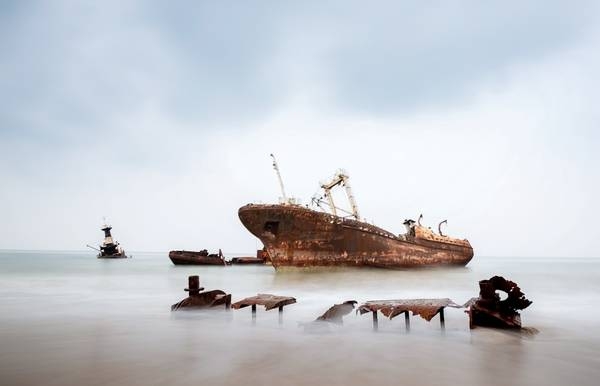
[69,318]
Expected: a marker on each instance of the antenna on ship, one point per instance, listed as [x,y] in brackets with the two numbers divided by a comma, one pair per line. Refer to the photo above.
[284,196]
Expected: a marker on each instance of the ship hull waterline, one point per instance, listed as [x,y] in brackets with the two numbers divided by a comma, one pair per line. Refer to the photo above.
[295,236]
[114,256]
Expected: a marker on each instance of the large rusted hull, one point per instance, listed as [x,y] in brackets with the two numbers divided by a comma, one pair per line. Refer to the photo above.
[295,236]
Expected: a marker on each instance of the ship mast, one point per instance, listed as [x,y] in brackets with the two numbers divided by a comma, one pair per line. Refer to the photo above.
[285,199]
[340,178]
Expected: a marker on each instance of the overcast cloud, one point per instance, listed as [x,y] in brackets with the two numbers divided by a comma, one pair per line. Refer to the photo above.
[161,116]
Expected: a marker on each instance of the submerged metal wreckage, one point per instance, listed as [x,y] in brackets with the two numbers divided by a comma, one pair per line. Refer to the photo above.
[197,258]
[489,310]
[426,308]
[269,301]
[486,310]
[198,299]
[298,236]
[109,249]
[204,258]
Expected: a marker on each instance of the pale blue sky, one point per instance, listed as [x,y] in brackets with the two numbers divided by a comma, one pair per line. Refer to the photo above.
[161,116]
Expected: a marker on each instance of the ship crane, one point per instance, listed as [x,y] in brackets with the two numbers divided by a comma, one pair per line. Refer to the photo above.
[340,178]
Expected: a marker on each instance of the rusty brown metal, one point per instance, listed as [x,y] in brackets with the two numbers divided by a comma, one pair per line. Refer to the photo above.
[198,299]
[296,236]
[246,260]
[261,258]
[426,308]
[490,311]
[197,258]
[336,312]
[269,301]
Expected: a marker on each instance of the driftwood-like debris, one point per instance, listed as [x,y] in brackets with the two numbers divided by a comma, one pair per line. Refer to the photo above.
[489,311]
[426,308]
[198,299]
[336,312]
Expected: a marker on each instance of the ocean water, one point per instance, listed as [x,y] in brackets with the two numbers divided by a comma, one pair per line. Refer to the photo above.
[67,318]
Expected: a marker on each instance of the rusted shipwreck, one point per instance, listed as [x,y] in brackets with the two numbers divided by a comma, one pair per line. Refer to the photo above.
[325,235]
[204,258]
[197,258]
[110,249]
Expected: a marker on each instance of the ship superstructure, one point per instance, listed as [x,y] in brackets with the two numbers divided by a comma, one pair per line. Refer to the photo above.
[109,248]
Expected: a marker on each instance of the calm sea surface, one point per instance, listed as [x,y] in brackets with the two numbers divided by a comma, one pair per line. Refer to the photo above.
[68,318]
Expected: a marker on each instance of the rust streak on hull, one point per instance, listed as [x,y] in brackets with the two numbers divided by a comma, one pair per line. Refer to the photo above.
[295,236]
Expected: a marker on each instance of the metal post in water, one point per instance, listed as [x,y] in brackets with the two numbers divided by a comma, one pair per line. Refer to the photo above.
[254,314]
[375,323]
[194,285]
[442,321]
[280,315]
[407,321]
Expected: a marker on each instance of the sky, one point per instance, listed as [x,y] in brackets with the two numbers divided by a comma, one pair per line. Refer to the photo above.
[160,116]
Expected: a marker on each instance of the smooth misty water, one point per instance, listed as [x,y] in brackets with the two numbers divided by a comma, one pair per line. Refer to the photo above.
[69,318]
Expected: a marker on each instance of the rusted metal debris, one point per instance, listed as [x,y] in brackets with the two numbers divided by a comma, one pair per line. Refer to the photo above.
[426,308]
[488,310]
[198,299]
[336,312]
[269,301]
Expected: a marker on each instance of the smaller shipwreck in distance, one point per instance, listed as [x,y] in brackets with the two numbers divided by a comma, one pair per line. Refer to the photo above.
[299,236]
[109,249]
[197,258]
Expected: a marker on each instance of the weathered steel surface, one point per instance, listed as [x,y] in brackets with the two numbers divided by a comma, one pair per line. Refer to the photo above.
[295,236]
[198,299]
[269,301]
[262,257]
[196,258]
[244,260]
[336,312]
[488,310]
[426,308]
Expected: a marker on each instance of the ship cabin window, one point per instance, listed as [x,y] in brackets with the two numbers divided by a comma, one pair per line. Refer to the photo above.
[272,227]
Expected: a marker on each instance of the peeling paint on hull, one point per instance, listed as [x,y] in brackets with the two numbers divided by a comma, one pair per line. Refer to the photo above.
[296,236]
